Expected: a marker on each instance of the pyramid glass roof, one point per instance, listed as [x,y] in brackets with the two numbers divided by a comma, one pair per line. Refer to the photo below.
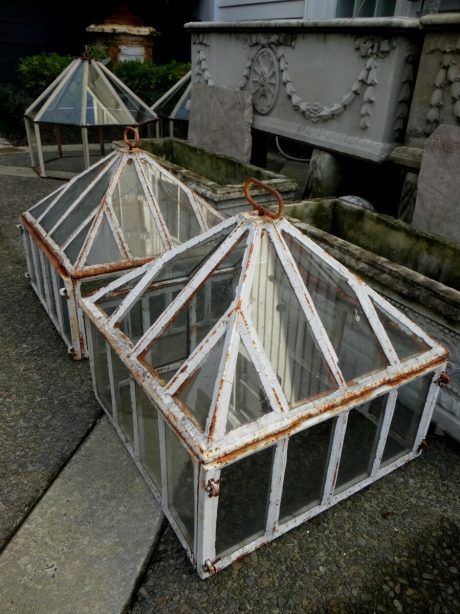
[122,211]
[175,103]
[87,93]
[253,329]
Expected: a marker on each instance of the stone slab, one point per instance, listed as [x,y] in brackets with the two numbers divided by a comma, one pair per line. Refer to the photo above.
[85,544]
[437,208]
[221,120]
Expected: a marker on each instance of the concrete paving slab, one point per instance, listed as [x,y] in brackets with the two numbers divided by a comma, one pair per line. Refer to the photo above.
[85,544]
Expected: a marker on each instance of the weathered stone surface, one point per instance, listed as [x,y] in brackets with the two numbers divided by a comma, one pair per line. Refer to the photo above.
[437,208]
[408,197]
[85,544]
[336,87]
[218,179]
[221,120]
[325,175]
[437,92]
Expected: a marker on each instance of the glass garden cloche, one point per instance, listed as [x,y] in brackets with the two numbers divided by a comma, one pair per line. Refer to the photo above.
[122,212]
[256,382]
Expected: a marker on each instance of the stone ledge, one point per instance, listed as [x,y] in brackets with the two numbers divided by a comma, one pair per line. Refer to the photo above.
[407,156]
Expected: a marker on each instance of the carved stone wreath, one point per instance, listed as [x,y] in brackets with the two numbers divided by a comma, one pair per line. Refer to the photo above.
[267,67]
[446,85]
[264,80]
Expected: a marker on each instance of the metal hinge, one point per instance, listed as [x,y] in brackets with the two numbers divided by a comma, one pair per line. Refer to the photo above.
[209,567]
[443,379]
[213,488]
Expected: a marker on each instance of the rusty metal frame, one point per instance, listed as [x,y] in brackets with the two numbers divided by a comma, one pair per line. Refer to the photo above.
[57,86]
[211,449]
[270,427]
[74,273]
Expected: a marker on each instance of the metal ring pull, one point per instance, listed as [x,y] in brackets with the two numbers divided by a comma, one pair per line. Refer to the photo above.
[262,210]
[137,139]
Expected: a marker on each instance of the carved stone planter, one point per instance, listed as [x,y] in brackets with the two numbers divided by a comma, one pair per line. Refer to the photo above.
[436,97]
[343,85]
[416,271]
[216,178]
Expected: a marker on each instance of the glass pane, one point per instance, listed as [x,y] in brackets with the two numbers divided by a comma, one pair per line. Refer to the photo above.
[385,8]
[69,195]
[345,8]
[187,263]
[360,443]
[306,465]
[243,501]
[57,300]
[166,193]
[30,257]
[122,387]
[405,342]
[101,368]
[37,210]
[149,438]
[83,209]
[72,251]
[65,312]
[132,324]
[181,486]
[102,105]
[104,248]
[47,280]
[67,106]
[134,215]
[40,273]
[52,300]
[406,418]
[137,110]
[248,400]
[188,223]
[285,332]
[198,391]
[194,321]
[358,349]
[365,8]
[109,301]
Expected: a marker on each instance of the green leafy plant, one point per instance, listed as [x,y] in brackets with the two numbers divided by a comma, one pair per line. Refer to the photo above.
[36,72]
[150,81]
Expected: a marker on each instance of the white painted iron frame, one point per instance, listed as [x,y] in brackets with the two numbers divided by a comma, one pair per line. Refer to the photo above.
[32,122]
[213,450]
[38,243]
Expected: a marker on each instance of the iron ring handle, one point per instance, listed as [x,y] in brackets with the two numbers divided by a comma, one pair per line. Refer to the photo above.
[262,210]
[137,140]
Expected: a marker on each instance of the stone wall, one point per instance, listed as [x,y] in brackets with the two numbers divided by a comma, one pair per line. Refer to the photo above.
[342,85]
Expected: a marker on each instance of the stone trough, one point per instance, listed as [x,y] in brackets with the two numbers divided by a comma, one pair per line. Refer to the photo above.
[216,178]
[417,271]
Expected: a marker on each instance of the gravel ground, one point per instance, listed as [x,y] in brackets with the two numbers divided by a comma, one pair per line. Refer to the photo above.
[394,547]
[46,398]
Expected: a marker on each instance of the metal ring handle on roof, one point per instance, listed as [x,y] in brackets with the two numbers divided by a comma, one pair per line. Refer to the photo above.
[262,210]
[137,139]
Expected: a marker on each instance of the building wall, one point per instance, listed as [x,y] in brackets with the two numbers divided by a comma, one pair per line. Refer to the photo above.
[240,10]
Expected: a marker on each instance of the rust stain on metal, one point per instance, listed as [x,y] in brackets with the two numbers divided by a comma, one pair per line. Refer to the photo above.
[333,406]
[111,267]
[443,379]
[52,256]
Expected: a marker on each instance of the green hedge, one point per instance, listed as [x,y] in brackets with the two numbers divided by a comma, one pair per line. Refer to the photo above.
[148,81]
[36,72]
